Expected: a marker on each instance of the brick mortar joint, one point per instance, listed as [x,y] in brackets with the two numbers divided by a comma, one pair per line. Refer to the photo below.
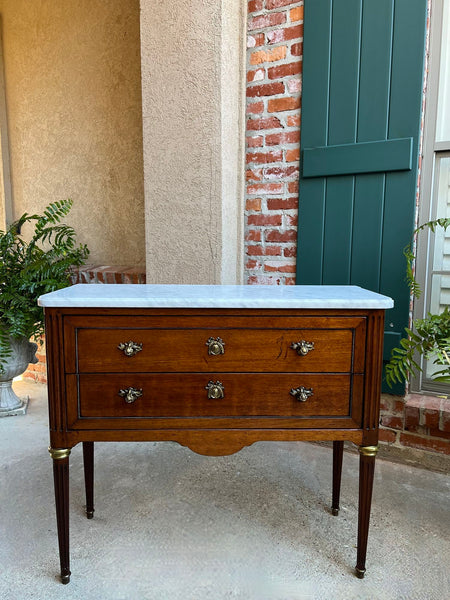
[110,268]
[426,403]
[270,11]
[268,64]
[280,96]
[268,45]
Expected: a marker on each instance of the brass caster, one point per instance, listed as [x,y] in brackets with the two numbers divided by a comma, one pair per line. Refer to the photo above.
[90,514]
[360,573]
[65,579]
[335,511]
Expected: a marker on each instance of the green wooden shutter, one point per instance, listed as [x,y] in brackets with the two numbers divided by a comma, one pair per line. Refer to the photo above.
[361,105]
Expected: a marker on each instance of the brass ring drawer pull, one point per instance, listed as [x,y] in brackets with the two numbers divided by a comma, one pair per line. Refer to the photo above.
[301,393]
[215,390]
[130,348]
[216,346]
[303,347]
[130,394]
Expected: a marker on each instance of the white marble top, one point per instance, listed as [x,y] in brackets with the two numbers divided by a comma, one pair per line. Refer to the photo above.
[214,296]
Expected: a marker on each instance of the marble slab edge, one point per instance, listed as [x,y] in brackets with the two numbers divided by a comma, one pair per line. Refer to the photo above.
[206,296]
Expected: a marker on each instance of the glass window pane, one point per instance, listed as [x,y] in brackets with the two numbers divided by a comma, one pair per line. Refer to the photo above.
[440,273]
[443,113]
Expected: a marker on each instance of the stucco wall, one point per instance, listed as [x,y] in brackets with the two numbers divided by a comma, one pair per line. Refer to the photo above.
[73,94]
[192,82]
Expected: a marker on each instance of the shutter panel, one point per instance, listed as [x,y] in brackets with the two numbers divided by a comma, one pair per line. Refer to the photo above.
[361,107]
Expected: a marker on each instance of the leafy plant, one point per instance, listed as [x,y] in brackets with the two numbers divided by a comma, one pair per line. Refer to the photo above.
[31,268]
[430,337]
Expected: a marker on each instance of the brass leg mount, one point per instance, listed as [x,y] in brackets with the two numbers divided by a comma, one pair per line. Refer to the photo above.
[59,453]
[368,450]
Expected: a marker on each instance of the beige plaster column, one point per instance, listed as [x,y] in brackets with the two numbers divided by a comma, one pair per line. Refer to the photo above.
[192,61]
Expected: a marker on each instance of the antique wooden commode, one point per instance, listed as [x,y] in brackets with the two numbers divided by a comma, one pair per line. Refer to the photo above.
[215,368]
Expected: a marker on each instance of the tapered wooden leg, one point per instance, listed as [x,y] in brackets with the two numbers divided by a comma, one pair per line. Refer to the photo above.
[88,461]
[338,451]
[60,458]
[367,456]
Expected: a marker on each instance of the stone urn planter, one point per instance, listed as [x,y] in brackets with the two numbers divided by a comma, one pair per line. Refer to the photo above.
[23,353]
[30,266]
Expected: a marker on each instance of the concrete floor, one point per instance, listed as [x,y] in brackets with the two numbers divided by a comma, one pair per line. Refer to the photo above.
[173,525]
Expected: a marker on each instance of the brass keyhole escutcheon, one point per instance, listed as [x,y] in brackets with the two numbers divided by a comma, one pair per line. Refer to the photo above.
[301,393]
[130,348]
[303,347]
[216,390]
[216,346]
[130,394]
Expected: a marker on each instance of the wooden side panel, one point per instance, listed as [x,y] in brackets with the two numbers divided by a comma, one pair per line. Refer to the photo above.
[55,376]
[372,387]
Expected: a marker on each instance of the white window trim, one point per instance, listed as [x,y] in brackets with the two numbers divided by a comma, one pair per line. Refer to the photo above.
[427,205]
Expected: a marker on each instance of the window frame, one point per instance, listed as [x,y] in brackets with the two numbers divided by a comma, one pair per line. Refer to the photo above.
[432,151]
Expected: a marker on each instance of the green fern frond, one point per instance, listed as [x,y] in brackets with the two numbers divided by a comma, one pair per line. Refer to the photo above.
[430,339]
[31,268]
[409,252]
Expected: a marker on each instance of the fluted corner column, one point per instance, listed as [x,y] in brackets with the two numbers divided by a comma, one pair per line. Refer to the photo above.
[367,456]
[60,458]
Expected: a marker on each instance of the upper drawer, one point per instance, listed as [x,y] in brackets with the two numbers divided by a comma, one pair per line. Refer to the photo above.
[243,349]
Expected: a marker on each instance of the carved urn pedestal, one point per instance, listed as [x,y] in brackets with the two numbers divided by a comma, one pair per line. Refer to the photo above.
[23,353]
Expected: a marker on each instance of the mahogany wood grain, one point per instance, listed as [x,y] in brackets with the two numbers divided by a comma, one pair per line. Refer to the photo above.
[178,344]
[245,395]
[252,350]
[211,442]
[374,365]
[366,475]
[338,451]
[61,481]
[85,416]
[88,462]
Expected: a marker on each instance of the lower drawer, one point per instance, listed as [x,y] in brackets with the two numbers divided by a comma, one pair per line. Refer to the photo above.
[186,395]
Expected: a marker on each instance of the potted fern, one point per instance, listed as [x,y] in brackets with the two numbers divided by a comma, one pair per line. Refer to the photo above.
[428,337]
[29,267]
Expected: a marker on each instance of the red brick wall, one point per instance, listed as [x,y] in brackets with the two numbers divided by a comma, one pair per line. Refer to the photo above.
[38,371]
[274,64]
[417,421]
[109,274]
